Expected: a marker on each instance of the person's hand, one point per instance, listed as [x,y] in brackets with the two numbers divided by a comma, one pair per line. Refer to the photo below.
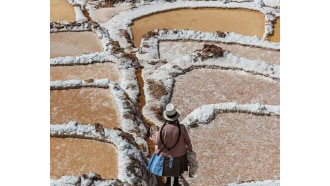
[153,130]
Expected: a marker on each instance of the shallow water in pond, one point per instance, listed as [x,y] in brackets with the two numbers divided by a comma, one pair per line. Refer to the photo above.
[276,35]
[210,86]
[242,21]
[236,147]
[61,10]
[83,72]
[171,50]
[85,105]
[74,43]
[74,157]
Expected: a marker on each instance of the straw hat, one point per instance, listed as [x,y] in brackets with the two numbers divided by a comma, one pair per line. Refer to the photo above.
[170,113]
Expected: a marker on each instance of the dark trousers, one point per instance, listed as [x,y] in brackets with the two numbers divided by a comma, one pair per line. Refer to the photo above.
[168,180]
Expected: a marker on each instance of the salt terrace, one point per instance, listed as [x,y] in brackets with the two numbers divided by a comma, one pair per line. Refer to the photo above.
[114,65]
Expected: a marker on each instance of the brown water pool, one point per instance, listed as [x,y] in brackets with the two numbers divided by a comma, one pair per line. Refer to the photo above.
[83,72]
[276,35]
[85,105]
[61,10]
[103,15]
[209,86]
[74,43]
[171,50]
[74,157]
[242,21]
[236,147]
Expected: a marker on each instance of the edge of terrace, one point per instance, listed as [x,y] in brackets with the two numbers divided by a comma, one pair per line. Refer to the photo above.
[211,110]
[164,74]
[131,120]
[132,164]
[123,20]
[150,41]
[113,53]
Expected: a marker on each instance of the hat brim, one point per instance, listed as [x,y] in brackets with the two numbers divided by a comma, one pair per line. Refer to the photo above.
[170,119]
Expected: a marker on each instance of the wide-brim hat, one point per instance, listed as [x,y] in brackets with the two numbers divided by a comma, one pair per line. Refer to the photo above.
[170,113]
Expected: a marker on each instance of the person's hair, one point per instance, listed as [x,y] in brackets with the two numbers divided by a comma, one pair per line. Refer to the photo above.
[175,121]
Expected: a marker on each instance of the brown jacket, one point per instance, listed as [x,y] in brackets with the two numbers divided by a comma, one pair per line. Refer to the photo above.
[170,135]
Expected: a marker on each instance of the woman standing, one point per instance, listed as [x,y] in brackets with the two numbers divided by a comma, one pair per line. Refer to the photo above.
[173,142]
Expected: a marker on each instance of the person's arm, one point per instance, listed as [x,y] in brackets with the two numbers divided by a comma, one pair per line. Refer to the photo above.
[186,138]
[155,137]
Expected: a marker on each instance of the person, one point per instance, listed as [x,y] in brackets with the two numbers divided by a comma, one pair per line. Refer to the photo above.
[173,142]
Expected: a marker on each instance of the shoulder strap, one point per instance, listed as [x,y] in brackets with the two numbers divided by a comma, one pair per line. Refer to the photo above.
[161,138]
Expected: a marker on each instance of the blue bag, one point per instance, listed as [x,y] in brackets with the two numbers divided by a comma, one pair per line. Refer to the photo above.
[156,164]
